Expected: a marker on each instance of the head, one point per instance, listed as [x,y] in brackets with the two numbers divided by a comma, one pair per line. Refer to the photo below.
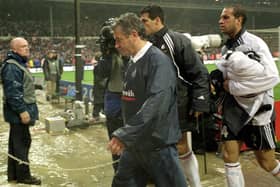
[153,18]
[129,34]
[232,20]
[52,54]
[20,46]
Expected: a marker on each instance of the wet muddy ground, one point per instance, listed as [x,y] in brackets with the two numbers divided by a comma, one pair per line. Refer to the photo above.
[78,158]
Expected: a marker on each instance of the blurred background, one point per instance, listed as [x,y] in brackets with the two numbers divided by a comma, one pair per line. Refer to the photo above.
[50,23]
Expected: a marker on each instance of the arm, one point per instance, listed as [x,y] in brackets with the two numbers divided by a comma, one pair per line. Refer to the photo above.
[195,72]
[104,66]
[13,91]
[46,69]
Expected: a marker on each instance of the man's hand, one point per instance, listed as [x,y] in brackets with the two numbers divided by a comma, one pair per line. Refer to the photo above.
[195,114]
[115,146]
[25,117]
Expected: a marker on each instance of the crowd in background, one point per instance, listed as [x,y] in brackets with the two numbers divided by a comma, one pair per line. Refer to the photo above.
[29,28]
[64,47]
[36,27]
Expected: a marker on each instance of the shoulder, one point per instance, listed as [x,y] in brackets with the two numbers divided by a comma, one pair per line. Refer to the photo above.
[253,40]
[157,57]
[179,40]
[9,70]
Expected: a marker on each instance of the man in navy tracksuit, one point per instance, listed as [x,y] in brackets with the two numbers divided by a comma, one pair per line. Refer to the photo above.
[147,141]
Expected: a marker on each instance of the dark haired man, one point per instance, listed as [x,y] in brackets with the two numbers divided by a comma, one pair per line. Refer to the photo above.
[147,140]
[239,126]
[193,81]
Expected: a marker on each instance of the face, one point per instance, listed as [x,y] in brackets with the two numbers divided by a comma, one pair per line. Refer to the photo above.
[229,25]
[150,25]
[21,47]
[123,42]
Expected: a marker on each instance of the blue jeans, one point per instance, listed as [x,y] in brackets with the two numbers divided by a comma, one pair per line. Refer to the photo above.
[162,166]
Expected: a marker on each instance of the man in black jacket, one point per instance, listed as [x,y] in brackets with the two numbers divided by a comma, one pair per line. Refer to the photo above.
[147,141]
[20,110]
[193,81]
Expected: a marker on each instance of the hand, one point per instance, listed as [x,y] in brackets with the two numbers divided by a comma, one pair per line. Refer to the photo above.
[226,85]
[212,89]
[115,146]
[25,117]
[195,114]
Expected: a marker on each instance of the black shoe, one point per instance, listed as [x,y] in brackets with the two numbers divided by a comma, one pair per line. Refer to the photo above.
[12,181]
[31,180]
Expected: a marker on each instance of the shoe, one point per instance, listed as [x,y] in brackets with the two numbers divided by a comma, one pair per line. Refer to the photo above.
[31,180]
[12,181]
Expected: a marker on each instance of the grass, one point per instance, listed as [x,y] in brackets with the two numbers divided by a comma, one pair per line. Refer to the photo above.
[70,76]
[88,77]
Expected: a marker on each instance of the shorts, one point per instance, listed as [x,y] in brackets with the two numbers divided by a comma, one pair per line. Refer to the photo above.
[255,137]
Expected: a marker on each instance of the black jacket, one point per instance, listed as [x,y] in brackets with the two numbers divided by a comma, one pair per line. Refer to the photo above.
[149,103]
[189,67]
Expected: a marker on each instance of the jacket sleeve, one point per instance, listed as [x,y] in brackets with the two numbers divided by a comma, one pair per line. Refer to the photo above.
[46,69]
[12,78]
[160,88]
[194,71]
[104,66]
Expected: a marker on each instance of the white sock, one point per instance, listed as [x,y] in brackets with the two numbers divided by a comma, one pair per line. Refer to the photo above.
[276,171]
[234,175]
[190,167]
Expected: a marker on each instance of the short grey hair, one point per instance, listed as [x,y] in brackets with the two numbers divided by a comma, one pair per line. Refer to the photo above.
[129,22]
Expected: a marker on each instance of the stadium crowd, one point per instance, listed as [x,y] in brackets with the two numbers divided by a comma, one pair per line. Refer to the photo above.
[64,47]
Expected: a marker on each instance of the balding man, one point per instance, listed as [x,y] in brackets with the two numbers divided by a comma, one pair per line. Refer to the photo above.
[20,109]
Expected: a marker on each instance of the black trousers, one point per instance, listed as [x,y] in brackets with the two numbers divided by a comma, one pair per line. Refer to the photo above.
[19,145]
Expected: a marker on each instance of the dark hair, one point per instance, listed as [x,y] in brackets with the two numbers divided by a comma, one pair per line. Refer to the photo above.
[129,22]
[239,11]
[153,11]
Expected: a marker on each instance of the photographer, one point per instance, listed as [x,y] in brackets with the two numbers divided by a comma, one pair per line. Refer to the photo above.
[108,76]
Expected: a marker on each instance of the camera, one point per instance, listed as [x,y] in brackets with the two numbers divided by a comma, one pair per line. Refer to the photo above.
[106,38]
[205,41]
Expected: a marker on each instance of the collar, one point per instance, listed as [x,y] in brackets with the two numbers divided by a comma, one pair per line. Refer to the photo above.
[232,43]
[141,52]
[158,35]
[17,57]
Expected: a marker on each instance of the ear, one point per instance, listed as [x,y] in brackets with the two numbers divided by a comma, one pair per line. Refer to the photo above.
[158,20]
[240,20]
[134,33]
